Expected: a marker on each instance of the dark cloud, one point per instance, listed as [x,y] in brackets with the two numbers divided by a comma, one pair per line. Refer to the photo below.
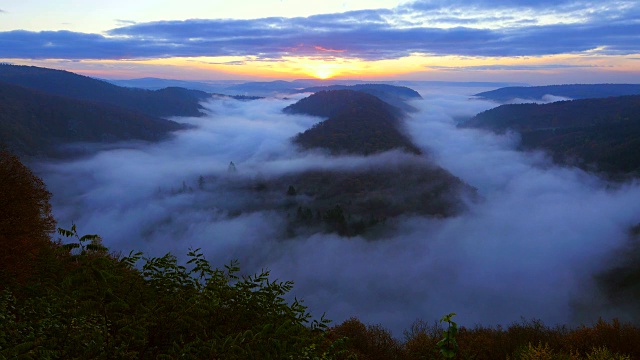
[366,34]
[512,67]
[71,45]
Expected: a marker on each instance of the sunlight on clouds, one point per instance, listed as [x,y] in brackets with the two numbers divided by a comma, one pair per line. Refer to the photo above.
[476,18]
[594,67]
[296,67]
[82,16]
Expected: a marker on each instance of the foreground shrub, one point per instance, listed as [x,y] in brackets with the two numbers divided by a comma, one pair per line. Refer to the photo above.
[367,342]
[523,340]
[95,305]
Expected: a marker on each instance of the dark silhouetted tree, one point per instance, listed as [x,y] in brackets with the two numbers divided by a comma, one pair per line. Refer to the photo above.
[25,216]
[232,168]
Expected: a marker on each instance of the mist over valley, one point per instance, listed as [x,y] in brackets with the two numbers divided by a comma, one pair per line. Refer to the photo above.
[468,223]
[288,179]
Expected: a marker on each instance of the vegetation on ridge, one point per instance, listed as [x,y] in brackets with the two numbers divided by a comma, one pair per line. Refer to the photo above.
[572,91]
[172,101]
[601,135]
[357,123]
[35,123]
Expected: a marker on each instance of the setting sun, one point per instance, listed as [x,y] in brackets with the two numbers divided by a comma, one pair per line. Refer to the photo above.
[322,73]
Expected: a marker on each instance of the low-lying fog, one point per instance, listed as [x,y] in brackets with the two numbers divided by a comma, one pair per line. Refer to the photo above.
[528,249]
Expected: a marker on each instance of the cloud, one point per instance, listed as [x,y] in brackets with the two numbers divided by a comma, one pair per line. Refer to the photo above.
[122,22]
[546,6]
[512,67]
[529,248]
[478,28]
[70,45]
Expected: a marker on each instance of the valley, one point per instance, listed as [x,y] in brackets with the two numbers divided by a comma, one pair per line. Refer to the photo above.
[341,177]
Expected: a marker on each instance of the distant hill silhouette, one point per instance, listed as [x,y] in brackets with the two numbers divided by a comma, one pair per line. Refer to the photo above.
[34,123]
[576,91]
[601,135]
[172,101]
[357,123]
[391,94]
[265,88]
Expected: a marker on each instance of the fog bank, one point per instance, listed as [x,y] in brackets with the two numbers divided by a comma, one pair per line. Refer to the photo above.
[528,248]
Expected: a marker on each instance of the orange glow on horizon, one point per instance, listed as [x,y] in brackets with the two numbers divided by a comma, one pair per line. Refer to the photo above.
[416,66]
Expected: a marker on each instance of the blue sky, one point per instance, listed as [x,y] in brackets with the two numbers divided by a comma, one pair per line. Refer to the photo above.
[513,40]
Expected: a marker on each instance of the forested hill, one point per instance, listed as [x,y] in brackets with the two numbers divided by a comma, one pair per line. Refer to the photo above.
[576,91]
[166,102]
[34,123]
[391,94]
[358,123]
[596,134]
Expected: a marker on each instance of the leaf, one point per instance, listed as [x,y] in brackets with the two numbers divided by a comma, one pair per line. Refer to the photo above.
[89,237]
[70,247]
[65,233]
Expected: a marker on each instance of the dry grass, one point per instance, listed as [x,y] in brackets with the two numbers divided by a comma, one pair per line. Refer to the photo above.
[524,340]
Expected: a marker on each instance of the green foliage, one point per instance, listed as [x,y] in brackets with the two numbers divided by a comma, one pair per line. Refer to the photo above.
[448,345]
[96,305]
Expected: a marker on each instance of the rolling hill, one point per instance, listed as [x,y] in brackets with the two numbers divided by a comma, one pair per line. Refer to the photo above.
[576,91]
[357,123]
[172,101]
[358,201]
[391,94]
[601,135]
[38,124]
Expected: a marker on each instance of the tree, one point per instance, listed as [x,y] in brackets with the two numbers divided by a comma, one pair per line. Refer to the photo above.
[25,216]
[201,182]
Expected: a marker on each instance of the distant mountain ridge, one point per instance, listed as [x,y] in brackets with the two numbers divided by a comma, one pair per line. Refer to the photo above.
[601,135]
[151,83]
[357,123]
[34,123]
[172,101]
[575,91]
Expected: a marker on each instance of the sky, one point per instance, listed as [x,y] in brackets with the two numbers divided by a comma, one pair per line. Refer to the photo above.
[532,41]
[529,40]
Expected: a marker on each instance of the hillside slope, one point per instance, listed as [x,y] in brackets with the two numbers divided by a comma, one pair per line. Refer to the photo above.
[575,91]
[391,94]
[601,135]
[34,123]
[357,123]
[166,102]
